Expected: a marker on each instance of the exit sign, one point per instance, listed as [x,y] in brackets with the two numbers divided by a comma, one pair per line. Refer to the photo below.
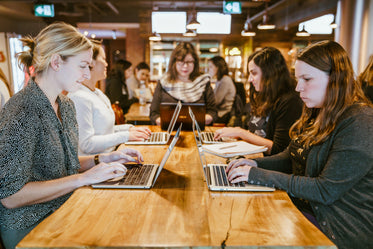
[44,10]
[232,7]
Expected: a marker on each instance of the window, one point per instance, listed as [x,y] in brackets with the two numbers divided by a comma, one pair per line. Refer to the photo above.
[168,22]
[319,25]
[214,23]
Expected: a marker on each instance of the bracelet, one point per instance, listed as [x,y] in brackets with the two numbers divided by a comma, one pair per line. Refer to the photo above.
[96,159]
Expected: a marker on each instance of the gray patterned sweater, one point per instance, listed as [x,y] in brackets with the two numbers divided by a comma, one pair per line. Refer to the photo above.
[35,146]
[338,179]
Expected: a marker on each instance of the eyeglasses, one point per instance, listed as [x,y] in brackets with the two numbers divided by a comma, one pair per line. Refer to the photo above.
[183,63]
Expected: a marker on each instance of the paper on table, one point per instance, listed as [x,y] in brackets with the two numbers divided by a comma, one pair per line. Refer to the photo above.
[233,149]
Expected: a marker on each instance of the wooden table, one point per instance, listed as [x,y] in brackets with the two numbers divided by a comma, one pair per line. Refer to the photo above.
[179,212]
[138,114]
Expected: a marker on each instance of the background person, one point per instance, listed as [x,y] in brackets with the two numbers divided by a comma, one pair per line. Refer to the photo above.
[328,167]
[141,74]
[275,105]
[225,90]
[116,87]
[184,82]
[4,89]
[95,116]
[366,79]
[39,163]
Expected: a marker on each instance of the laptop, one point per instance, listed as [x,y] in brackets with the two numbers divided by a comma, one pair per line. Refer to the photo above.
[216,178]
[161,137]
[140,177]
[198,108]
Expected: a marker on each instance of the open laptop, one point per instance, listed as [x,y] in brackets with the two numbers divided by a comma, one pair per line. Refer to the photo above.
[198,108]
[216,178]
[140,177]
[161,137]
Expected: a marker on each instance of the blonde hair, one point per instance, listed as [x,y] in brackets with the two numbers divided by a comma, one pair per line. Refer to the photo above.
[57,38]
[342,91]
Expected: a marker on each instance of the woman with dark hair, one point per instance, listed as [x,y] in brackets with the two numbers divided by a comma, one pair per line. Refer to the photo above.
[225,90]
[328,167]
[275,106]
[141,74]
[116,87]
[184,82]
[366,79]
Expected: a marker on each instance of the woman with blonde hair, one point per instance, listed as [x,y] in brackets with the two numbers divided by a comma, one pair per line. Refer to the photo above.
[39,163]
[184,82]
[4,89]
[328,167]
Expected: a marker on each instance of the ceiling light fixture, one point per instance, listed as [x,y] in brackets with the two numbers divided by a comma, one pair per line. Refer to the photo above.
[155,37]
[193,24]
[266,25]
[248,29]
[303,33]
[189,33]
[334,25]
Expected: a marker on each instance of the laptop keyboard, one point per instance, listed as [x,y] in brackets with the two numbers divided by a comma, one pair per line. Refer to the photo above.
[209,137]
[221,177]
[137,175]
[156,137]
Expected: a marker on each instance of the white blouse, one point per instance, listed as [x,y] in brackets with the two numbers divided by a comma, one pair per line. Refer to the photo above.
[96,119]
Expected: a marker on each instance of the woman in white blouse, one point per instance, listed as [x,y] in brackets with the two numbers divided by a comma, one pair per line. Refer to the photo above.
[96,119]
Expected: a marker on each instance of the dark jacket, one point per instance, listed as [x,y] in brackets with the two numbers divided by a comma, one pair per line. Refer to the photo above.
[338,179]
[114,90]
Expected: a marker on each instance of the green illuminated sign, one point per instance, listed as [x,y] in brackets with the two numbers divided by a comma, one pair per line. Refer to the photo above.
[44,10]
[232,7]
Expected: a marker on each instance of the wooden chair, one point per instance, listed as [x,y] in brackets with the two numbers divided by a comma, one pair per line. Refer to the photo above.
[119,116]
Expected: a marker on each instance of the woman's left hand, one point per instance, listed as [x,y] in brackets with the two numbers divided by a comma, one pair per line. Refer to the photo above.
[208,119]
[239,174]
[125,155]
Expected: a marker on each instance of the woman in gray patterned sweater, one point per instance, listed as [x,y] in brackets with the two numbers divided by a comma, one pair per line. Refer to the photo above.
[39,163]
[328,167]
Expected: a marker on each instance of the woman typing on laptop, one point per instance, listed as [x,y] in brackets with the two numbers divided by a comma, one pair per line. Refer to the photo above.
[275,105]
[39,163]
[328,167]
[183,82]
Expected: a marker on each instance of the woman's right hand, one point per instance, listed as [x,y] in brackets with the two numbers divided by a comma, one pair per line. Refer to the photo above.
[240,162]
[228,132]
[139,133]
[103,172]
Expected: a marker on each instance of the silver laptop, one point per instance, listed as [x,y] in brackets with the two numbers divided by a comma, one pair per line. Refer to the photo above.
[161,137]
[216,177]
[140,177]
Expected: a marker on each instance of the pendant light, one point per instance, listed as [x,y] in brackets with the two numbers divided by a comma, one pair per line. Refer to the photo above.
[155,37]
[248,29]
[190,33]
[266,25]
[193,24]
[303,33]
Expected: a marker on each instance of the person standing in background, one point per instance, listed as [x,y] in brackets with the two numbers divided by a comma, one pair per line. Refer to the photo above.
[275,105]
[97,132]
[225,90]
[116,87]
[327,169]
[366,79]
[39,163]
[183,82]
[4,89]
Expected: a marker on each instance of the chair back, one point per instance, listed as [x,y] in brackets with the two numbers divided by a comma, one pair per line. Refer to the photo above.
[119,116]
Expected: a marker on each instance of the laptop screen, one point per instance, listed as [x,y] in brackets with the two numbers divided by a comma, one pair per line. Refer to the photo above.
[166,110]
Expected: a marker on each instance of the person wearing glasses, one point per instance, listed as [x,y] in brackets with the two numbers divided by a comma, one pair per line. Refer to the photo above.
[184,82]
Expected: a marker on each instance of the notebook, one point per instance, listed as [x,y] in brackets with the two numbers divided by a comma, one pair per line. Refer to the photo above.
[198,108]
[140,177]
[161,137]
[216,178]
[231,149]
[208,136]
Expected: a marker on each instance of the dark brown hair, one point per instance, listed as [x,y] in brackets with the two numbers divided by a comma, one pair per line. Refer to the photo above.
[342,91]
[221,65]
[178,54]
[276,80]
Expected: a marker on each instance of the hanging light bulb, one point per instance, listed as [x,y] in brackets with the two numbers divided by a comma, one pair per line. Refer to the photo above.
[155,37]
[266,25]
[189,33]
[303,33]
[248,29]
[193,24]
